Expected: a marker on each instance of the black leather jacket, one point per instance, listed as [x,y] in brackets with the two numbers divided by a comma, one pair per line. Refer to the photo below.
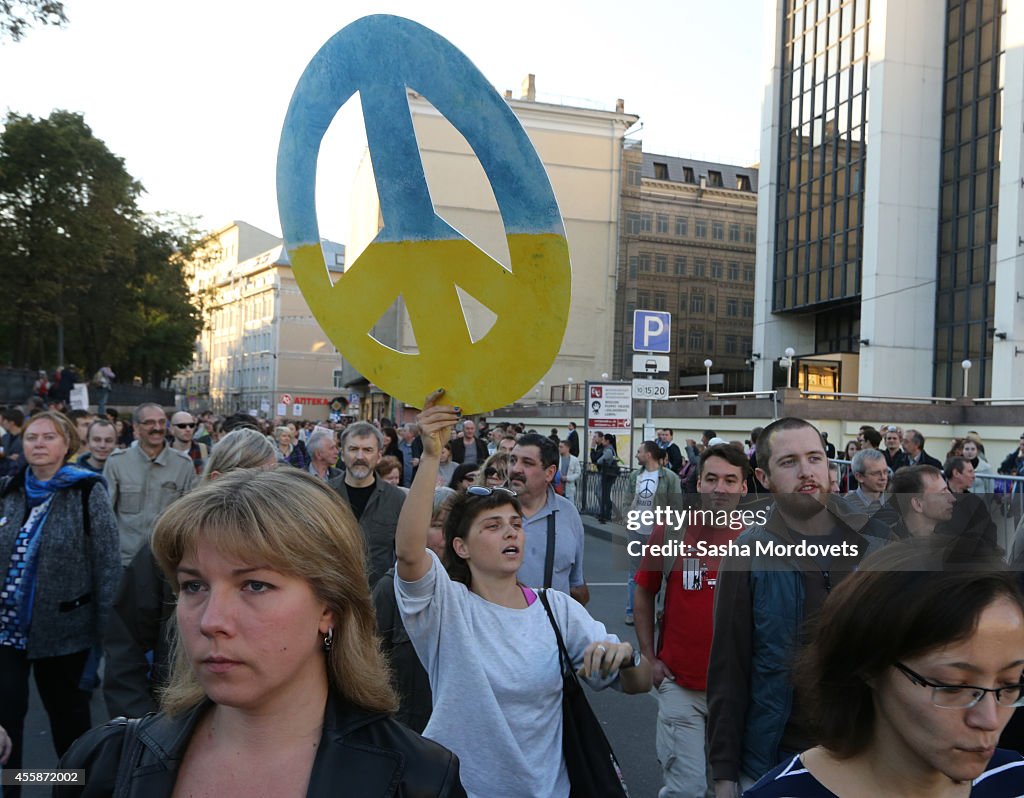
[361,755]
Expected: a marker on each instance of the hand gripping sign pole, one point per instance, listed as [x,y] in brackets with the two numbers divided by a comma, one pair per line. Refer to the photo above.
[417,252]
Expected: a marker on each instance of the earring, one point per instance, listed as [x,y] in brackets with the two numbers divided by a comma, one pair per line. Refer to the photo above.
[329,639]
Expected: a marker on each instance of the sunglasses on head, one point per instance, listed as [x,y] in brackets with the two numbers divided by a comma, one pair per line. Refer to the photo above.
[185,426]
[480,490]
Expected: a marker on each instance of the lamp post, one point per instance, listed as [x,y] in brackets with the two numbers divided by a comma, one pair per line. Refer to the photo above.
[966,366]
[707,372]
[790,352]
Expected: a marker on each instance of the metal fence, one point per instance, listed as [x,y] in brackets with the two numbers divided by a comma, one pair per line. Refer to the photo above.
[16,388]
[588,495]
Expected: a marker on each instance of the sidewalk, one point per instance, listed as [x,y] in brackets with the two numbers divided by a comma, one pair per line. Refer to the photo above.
[612,532]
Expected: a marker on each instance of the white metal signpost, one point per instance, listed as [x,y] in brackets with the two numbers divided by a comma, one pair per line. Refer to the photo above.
[652,333]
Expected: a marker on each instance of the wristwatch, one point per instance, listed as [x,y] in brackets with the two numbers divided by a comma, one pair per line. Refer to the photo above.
[632,662]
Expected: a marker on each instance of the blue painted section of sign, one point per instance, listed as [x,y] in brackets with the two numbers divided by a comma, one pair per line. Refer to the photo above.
[379,56]
[652,331]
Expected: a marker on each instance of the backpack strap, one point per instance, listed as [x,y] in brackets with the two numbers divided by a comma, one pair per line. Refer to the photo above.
[549,556]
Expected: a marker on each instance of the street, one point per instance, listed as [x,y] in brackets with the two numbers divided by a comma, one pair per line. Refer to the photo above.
[628,720]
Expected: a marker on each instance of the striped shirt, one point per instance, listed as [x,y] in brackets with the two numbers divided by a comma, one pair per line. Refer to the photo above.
[1003,778]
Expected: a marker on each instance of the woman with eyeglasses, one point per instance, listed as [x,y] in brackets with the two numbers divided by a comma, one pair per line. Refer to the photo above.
[486,641]
[912,705]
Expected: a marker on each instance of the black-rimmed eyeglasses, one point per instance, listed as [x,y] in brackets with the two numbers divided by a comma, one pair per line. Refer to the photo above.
[964,696]
[480,490]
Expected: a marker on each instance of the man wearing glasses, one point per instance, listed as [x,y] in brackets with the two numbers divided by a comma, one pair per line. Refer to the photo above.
[145,478]
[183,430]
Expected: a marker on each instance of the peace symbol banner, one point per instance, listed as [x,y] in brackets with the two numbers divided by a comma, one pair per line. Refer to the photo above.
[417,253]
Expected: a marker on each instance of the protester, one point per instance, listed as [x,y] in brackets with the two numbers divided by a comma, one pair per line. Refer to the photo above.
[903,707]
[495,470]
[373,502]
[680,662]
[101,441]
[570,469]
[407,673]
[448,466]
[59,550]
[145,478]
[323,450]
[763,601]
[183,430]
[291,450]
[12,420]
[972,453]
[463,476]
[486,641]
[278,686]
[137,642]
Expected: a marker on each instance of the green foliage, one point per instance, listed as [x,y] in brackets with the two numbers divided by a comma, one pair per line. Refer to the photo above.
[75,250]
[17,16]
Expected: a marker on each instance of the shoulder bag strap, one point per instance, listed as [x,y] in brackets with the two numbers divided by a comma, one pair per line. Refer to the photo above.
[563,654]
[129,753]
[549,556]
[85,489]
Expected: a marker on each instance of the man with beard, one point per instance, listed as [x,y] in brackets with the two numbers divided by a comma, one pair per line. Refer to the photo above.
[763,602]
[375,504]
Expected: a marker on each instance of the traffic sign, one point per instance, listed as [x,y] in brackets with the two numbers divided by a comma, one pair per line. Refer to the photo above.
[652,331]
[650,364]
[650,389]
[286,398]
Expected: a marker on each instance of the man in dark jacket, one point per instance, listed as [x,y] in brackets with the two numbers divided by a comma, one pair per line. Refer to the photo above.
[375,504]
[468,448]
[762,602]
[913,445]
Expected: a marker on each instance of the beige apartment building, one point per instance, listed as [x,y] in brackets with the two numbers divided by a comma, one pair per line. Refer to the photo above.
[688,247]
[581,149]
[260,346]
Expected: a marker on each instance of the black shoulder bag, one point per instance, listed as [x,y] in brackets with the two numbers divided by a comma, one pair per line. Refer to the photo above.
[593,770]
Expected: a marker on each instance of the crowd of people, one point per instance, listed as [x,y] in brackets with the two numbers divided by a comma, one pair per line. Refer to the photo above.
[288,606]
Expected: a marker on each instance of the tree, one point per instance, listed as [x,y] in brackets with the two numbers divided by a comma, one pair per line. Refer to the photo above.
[17,16]
[78,259]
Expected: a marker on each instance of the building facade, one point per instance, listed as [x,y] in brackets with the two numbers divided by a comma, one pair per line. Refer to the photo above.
[889,200]
[687,246]
[581,150]
[260,344]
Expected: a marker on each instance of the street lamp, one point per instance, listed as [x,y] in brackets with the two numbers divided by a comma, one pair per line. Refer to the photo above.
[790,352]
[707,367]
[966,366]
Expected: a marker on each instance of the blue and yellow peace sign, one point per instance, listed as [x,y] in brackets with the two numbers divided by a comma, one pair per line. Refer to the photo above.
[417,253]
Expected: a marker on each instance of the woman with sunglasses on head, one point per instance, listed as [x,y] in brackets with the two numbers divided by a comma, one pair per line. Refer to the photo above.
[485,640]
[913,706]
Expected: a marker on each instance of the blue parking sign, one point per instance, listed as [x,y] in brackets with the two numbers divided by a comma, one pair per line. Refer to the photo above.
[652,331]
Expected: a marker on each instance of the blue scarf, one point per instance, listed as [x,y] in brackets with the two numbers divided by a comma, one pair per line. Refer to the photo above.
[40,498]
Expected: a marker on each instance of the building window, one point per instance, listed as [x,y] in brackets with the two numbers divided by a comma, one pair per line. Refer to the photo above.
[714,179]
[710,343]
[682,342]
[633,224]
[643,301]
[634,265]
[661,264]
[711,305]
[699,267]
[633,177]
[731,306]
[748,346]
[660,171]
[680,266]
[663,223]
[748,274]
[749,234]
[659,302]
[730,344]
[734,272]
[682,225]
[748,309]
[734,232]
[688,175]
[645,222]
[682,303]
[696,340]
[645,262]
[696,304]
[700,228]
[716,270]
[339,381]
[742,183]
[717,231]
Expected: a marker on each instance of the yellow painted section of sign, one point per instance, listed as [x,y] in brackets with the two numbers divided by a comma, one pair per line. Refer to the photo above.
[531,303]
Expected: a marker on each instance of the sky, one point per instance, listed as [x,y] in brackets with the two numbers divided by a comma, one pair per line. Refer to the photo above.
[192,94]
